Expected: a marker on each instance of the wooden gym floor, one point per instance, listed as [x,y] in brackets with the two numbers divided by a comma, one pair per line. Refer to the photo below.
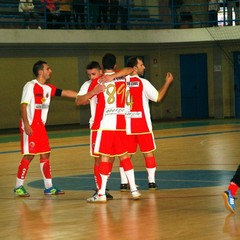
[196,160]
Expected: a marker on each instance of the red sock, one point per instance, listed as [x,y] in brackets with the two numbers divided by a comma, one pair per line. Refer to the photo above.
[45,168]
[233,187]
[105,168]
[126,164]
[150,162]
[23,169]
[120,164]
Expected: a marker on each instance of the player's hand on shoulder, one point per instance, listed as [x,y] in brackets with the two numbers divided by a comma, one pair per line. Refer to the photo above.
[105,78]
[99,88]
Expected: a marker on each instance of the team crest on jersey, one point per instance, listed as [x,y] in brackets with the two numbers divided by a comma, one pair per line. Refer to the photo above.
[32,145]
[44,98]
[133,84]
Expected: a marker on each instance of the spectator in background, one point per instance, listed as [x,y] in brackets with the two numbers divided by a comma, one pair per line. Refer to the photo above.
[103,14]
[65,12]
[94,12]
[175,6]
[124,6]
[26,8]
[186,17]
[79,12]
[213,8]
[113,12]
[50,11]
[233,5]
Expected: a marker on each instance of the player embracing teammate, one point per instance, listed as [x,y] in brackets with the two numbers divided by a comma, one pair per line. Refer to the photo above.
[138,119]
[109,130]
[122,121]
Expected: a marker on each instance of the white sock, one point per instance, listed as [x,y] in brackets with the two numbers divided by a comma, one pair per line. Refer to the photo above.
[19,182]
[47,183]
[123,176]
[102,190]
[131,179]
[151,175]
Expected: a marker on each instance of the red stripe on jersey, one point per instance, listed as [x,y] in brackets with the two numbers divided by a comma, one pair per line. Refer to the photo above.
[121,101]
[138,125]
[39,99]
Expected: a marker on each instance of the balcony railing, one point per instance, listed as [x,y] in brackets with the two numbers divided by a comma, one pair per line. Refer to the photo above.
[150,15]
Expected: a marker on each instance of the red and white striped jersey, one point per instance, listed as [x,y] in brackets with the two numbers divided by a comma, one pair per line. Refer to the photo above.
[37,97]
[110,106]
[138,93]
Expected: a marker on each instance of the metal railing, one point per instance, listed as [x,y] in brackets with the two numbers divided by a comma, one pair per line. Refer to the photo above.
[163,15]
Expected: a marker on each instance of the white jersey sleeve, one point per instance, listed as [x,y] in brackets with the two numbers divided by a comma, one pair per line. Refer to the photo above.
[27,93]
[149,90]
[84,88]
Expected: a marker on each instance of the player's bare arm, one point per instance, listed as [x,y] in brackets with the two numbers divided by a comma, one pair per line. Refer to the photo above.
[122,72]
[69,93]
[27,128]
[84,99]
[163,90]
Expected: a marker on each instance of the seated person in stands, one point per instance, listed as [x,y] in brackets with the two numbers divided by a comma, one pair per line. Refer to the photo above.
[175,6]
[113,13]
[26,8]
[65,13]
[79,12]
[124,6]
[50,11]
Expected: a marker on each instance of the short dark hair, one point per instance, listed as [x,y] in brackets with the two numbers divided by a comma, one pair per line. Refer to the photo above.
[93,64]
[108,61]
[132,61]
[38,66]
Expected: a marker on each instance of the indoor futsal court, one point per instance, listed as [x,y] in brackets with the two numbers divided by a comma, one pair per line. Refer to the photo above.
[196,160]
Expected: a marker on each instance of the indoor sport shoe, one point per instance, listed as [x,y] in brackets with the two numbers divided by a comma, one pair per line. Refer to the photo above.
[136,194]
[108,195]
[152,186]
[229,201]
[21,192]
[53,191]
[97,199]
[124,187]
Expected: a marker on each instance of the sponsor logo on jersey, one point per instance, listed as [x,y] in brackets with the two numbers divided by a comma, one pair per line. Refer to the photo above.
[114,111]
[41,106]
[133,114]
[133,84]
